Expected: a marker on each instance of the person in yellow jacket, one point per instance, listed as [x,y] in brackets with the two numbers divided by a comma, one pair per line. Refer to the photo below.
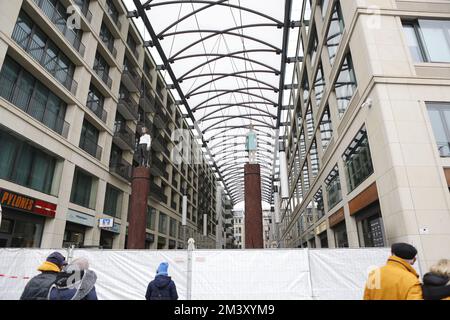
[397,280]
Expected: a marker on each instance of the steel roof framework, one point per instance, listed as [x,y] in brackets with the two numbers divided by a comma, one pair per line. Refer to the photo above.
[224,103]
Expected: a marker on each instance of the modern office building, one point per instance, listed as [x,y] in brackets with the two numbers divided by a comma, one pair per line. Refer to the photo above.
[72,105]
[239,229]
[368,134]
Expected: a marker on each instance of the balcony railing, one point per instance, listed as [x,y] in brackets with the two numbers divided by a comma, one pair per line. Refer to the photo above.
[122,168]
[85,11]
[114,17]
[147,102]
[104,75]
[131,79]
[157,192]
[43,58]
[124,137]
[50,11]
[110,46]
[91,147]
[98,110]
[128,108]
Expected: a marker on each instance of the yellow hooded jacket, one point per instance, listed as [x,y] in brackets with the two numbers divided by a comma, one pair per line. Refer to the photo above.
[397,280]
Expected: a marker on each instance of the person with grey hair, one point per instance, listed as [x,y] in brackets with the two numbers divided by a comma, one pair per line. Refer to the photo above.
[75,282]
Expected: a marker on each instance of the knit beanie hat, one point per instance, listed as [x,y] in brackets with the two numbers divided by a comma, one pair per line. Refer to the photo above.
[404,251]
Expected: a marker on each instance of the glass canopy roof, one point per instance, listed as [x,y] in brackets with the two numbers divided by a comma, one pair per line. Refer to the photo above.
[226,60]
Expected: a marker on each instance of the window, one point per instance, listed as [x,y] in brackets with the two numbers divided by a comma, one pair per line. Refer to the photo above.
[112,11]
[33,40]
[151,218]
[82,189]
[26,165]
[113,202]
[319,85]
[333,188]
[21,89]
[357,160]
[428,40]
[162,227]
[314,157]
[95,102]
[345,85]
[89,139]
[312,50]
[309,122]
[440,121]
[108,39]
[173,228]
[318,204]
[305,176]
[305,87]
[323,7]
[340,235]
[326,130]
[101,67]
[334,33]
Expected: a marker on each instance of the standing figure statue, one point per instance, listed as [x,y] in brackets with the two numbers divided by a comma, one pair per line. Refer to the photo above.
[251,145]
[144,148]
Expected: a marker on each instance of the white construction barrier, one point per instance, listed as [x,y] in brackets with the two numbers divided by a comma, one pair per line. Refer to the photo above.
[274,274]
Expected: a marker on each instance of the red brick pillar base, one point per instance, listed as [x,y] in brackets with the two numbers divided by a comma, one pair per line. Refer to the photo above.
[137,224]
[253,207]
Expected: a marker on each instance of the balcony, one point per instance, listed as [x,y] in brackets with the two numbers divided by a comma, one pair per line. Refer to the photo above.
[91,147]
[157,192]
[50,11]
[85,11]
[128,108]
[121,168]
[113,15]
[43,58]
[147,102]
[109,44]
[104,75]
[124,137]
[158,168]
[158,121]
[98,110]
[131,79]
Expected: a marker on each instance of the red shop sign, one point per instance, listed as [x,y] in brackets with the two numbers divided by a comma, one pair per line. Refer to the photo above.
[18,201]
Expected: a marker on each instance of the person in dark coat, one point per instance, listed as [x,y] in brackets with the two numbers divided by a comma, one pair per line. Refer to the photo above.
[76,282]
[436,283]
[38,287]
[162,287]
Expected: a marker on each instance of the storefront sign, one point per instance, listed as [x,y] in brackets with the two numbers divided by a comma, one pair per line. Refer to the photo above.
[106,223]
[114,229]
[17,201]
[80,218]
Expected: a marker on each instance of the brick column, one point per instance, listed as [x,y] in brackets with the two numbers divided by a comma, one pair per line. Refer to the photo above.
[137,224]
[253,207]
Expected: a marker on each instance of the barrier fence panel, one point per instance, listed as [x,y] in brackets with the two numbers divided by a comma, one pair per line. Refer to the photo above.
[341,274]
[250,274]
[273,274]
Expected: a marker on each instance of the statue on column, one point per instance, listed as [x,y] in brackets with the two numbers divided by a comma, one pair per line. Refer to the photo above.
[144,148]
[251,145]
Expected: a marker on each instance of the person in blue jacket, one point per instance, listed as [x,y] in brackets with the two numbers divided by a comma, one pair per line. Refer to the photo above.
[162,287]
[75,282]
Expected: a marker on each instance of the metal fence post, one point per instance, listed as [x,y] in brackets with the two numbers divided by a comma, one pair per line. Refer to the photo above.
[190,249]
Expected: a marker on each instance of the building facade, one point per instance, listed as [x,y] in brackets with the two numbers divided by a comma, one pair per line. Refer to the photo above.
[239,229]
[268,229]
[73,102]
[368,140]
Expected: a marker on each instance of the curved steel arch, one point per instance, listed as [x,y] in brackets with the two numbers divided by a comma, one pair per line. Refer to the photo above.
[236,127]
[241,142]
[234,163]
[225,90]
[220,104]
[240,116]
[276,71]
[148,6]
[264,143]
[205,117]
[235,91]
[213,74]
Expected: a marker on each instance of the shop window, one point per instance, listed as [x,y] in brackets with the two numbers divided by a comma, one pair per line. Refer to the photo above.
[106,239]
[340,235]
[151,218]
[162,226]
[357,160]
[370,227]
[323,240]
